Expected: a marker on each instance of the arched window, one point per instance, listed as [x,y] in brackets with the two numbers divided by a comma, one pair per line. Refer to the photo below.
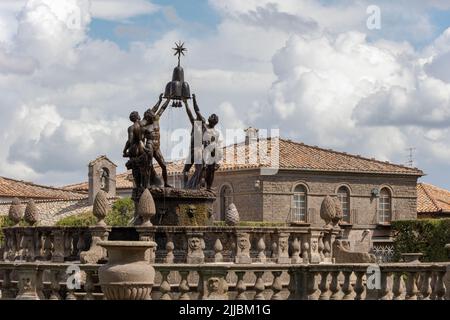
[385,206]
[299,205]
[226,198]
[104,179]
[343,195]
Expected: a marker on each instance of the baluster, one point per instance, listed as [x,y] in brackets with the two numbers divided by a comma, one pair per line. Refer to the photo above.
[321,247]
[55,285]
[312,286]
[259,286]
[425,289]
[433,286]
[47,247]
[71,294]
[327,248]
[89,285]
[359,286]
[240,286]
[347,288]
[164,288]
[411,287]
[218,248]
[335,287]
[324,286]
[296,248]
[277,286]
[305,252]
[398,287]
[385,292]
[274,254]
[440,285]
[184,286]
[170,247]
[261,257]
[80,243]
[58,244]
[8,290]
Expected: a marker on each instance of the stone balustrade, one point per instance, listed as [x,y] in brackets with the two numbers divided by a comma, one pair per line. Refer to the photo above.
[242,245]
[399,281]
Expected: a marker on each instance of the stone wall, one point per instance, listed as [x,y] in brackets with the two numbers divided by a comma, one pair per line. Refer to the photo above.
[278,190]
[272,199]
[247,197]
[53,211]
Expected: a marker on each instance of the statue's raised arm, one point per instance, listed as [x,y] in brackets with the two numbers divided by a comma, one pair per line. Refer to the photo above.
[163,108]
[197,110]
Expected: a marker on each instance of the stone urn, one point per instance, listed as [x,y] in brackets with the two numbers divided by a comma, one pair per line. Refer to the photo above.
[127,275]
[412,257]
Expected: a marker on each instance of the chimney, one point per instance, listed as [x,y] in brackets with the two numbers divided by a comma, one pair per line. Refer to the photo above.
[251,135]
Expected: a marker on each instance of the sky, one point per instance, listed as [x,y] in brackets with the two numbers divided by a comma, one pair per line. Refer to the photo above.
[326,73]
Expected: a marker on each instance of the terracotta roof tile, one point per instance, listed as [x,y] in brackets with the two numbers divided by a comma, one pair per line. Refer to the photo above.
[432,199]
[10,188]
[292,155]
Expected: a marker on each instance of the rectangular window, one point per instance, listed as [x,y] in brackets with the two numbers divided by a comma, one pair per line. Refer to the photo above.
[299,207]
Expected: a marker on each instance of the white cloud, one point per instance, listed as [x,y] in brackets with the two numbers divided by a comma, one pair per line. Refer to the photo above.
[311,69]
[120,9]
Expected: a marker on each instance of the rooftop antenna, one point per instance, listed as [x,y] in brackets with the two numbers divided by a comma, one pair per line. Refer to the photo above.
[410,162]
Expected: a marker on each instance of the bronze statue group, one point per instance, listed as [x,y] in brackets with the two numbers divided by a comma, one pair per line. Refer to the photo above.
[144,141]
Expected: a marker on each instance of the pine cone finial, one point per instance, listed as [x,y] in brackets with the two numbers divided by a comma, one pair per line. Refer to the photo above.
[146,208]
[101,207]
[31,213]
[15,213]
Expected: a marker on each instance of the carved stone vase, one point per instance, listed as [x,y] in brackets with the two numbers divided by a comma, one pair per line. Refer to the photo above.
[127,275]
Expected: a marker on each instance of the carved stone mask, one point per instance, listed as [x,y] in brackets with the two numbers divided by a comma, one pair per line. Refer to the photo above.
[243,243]
[283,244]
[213,284]
[195,243]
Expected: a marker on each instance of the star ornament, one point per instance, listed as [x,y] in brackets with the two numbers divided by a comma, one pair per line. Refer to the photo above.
[179,50]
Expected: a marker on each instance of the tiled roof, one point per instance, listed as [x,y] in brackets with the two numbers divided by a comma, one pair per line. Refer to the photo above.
[292,156]
[432,199]
[10,188]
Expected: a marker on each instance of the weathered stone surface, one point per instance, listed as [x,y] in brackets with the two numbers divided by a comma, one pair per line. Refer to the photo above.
[146,207]
[328,210]
[101,207]
[343,254]
[15,211]
[31,213]
[196,245]
[232,215]
[127,275]
[95,253]
[243,246]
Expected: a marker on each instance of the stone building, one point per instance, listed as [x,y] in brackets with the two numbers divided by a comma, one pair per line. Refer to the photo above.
[53,203]
[372,193]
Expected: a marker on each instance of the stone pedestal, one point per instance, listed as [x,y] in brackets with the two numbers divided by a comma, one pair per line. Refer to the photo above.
[180,207]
